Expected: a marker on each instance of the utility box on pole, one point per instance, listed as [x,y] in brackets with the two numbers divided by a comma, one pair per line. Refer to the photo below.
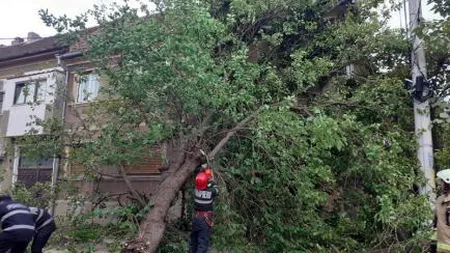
[421,93]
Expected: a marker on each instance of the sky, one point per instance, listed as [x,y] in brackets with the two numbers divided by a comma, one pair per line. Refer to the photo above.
[18,17]
[398,17]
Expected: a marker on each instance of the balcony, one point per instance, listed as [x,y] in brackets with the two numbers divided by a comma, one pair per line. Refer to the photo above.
[29,99]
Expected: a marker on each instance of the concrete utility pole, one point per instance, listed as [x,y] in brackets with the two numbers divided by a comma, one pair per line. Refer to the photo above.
[421,103]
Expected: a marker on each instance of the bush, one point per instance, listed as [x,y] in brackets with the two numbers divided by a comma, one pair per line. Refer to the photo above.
[39,195]
[87,233]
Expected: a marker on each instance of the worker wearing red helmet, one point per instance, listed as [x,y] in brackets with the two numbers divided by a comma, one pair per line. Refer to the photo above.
[205,192]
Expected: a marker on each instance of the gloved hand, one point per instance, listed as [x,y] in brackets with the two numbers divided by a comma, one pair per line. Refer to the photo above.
[211,183]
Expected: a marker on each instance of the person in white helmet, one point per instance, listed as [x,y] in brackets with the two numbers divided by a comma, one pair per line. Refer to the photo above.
[442,213]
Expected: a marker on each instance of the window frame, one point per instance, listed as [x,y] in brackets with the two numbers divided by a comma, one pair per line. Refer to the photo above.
[26,162]
[39,169]
[87,98]
[36,86]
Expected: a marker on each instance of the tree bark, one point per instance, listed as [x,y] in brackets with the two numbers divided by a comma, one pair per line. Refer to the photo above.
[153,227]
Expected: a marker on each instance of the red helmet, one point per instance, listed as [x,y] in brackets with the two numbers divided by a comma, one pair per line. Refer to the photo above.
[201,181]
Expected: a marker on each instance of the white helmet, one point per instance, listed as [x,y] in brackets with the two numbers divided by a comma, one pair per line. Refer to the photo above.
[444,175]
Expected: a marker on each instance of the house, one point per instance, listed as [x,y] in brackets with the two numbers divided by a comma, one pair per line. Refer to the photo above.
[29,80]
[83,88]
[41,79]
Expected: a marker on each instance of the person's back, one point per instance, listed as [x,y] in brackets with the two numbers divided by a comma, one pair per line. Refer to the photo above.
[17,225]
[15,217]
[204,198]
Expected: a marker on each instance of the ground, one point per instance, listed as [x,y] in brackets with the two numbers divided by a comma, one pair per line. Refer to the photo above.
[66,251]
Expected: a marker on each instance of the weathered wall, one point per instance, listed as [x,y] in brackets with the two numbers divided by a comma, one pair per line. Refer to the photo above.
[19,69]
[76,111]
[6,173]
[144,176]
[21,115]
[14,118]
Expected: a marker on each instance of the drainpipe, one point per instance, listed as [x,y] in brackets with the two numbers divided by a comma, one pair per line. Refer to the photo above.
[56,159]
[15,171]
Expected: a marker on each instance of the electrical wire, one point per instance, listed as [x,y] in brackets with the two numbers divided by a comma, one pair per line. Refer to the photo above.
[13,38]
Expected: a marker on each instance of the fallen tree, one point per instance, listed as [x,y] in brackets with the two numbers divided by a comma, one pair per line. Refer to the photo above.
[315,159]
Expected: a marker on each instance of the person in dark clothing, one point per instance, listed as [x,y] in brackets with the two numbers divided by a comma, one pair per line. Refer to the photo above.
[17,226]
[45,226]
[205,192]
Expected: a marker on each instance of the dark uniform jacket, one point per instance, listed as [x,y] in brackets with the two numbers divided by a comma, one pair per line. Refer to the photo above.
[41,217]
[204,198]
[15,217]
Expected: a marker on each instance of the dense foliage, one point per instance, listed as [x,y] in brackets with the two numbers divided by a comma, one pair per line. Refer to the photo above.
[321,160]
[435,34]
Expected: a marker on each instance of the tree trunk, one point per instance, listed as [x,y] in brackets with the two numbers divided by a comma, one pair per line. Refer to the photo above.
[153,227]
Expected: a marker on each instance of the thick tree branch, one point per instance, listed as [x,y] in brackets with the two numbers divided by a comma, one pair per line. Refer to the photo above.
[230,134]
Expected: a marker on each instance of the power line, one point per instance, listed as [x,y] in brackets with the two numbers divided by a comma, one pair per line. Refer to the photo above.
[13,38]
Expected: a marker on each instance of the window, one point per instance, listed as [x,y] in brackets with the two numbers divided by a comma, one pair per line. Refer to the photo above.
[88,88]
[29,92]
[33,170]
[35,163]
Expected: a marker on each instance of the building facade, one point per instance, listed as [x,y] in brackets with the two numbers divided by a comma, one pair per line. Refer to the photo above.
[42,79]
[29,80]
